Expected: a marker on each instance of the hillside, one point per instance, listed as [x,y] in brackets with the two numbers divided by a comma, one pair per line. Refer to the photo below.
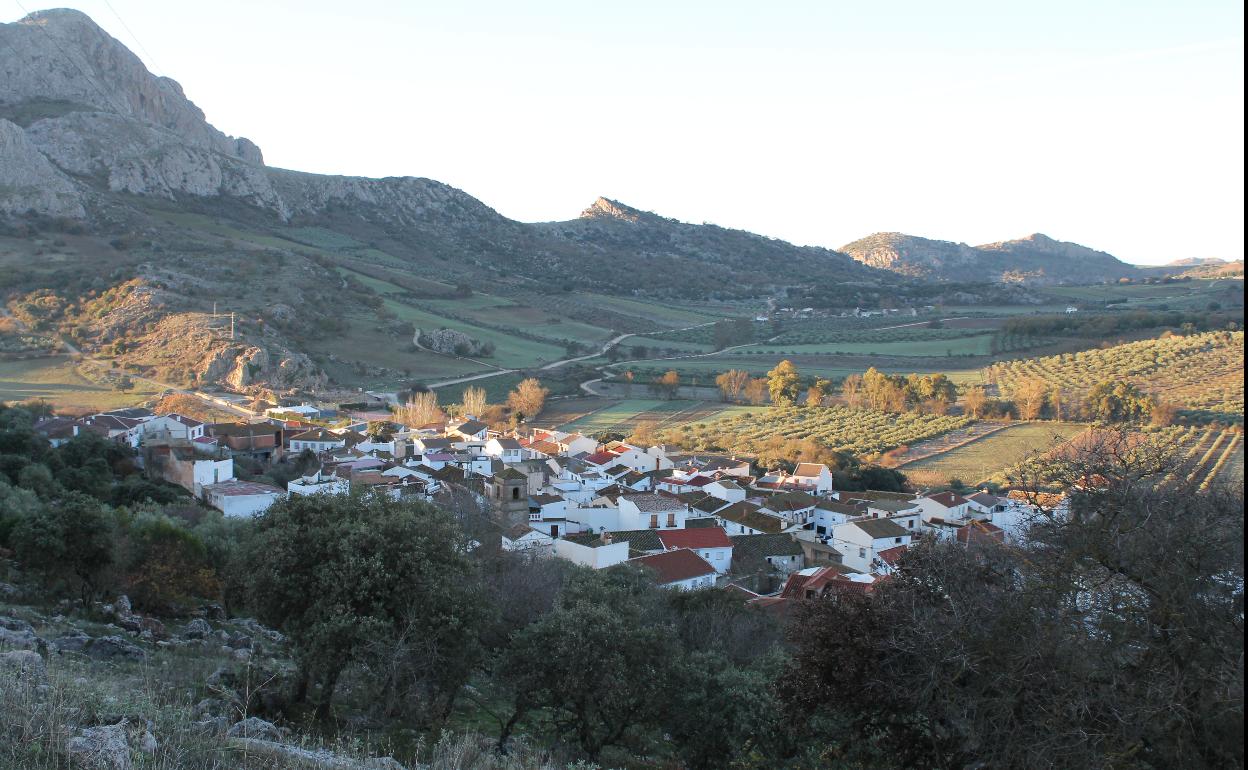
[1036,259]
[82,120]
[1197,267]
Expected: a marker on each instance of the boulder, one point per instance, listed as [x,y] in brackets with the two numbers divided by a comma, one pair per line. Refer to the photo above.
[112,648]
[239,642]
[101,748]
[197,629]
[254,727]
[73,641]
[15,624]
[26,664]
[283,755]
[23,639]
[241,655]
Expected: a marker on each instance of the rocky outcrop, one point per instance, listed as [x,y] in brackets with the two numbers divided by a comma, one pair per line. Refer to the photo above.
[28,182]
[62,56]
[1036,259]
[450,342]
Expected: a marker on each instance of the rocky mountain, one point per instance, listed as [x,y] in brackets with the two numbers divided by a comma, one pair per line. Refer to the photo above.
[1036,259]
[1196,267]
[81,117]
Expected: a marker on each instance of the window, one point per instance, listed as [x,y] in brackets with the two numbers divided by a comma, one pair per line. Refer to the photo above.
[897,540]
[554,530]
[515,493]
[862,553]
[910,523]
[706,555]
[654,521]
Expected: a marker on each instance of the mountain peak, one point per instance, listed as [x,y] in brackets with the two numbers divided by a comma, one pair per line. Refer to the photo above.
[605,208]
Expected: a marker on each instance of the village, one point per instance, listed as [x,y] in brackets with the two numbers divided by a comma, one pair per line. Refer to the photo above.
[695,520]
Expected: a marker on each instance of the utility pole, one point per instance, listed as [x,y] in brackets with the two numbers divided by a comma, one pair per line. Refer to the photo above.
[231,326]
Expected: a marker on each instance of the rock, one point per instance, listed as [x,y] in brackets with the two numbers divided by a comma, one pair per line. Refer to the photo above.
[197,629]
[122,606]
[242,656]
[283,755]
[27,665]
[212,726]
[239,642]
[15,624]
[257,629]
[254,727]
[213,611]
[73,641]
[146,743]
[208,707]
[8,590]
[113,647]
[28,181]
[23,639]
[101,748]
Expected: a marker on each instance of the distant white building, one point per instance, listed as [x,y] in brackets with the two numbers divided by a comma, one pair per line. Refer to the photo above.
[241,498]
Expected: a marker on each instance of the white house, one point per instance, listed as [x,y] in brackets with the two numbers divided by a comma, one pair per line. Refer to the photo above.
[594,551]
[812,477]
[206,472]
[241,498]
[470,430]
[650,511]
[725,489]
[303,410]
[317,440]
[746,518]
[681,569]
[548,513]
[986,504]
[319,483]
[711,543]
[522,538]
[829,514]
[860,541]
[504,448]
[793,507]
[949,506]
[172,426]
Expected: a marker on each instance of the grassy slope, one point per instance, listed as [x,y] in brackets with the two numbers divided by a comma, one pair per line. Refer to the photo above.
[58,380]
[981,459]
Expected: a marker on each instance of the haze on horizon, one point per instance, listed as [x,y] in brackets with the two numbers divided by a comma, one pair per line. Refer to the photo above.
[1118,126]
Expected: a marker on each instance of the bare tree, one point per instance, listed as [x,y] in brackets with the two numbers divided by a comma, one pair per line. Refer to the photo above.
[474,401]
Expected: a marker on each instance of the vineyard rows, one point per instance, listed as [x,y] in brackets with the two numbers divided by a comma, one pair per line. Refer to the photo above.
[1206,453]
[1200,372]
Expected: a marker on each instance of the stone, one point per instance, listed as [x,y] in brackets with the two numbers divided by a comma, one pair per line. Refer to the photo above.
[213,612]
[24,639]
[73,641]
[283,755]
[146,743]
[212,726]
[113,647]
[197,629]
[26,664]
[15,624]
[122,606]
[255,727]
[101,748]
[239,642]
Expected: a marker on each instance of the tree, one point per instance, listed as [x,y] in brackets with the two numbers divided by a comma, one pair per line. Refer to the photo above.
[165,566]
[851,389]
[528,398]
[474,401]
[731,383]
[1030,396]
[818,391]
[1117,401]
[667,385]
[421,409]
[69,540]
[628,383]
[606,666]
[783,382]
[976,399]
[1163,414]
[756,391]
[1105,609]
[342,574]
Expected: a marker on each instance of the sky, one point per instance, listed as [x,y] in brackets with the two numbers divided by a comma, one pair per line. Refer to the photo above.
[1118,124]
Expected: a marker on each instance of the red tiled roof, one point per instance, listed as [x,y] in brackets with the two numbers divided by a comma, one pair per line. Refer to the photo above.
[674,566]
[600,458]
[948,499]
[890,556]
[980,532]
[699,537]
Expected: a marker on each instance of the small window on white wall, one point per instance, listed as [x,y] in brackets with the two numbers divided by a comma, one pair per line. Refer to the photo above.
[862,553]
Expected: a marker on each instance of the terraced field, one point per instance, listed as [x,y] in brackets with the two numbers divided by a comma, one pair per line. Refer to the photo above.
[1202,373]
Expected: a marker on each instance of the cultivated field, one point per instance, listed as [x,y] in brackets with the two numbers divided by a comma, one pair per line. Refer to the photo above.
[1202,373]
[982,458]
[59,381]
[863,432]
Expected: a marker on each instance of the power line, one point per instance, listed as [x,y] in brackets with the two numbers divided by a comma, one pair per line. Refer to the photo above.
[133,36]
[52,39]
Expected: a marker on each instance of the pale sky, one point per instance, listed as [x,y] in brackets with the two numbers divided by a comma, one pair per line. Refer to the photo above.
[1118,124]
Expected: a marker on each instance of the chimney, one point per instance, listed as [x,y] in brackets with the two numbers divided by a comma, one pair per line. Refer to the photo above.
[606,537]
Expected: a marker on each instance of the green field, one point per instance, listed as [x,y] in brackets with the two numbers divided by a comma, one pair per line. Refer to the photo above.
[976,345]
[985,457]
[58,381]
[705,369]
[1181,295]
